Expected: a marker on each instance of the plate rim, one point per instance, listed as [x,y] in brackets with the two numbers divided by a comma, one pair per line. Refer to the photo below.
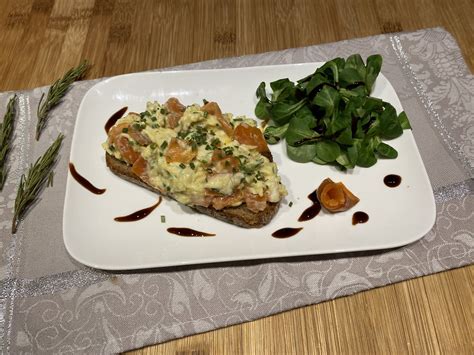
[260,256]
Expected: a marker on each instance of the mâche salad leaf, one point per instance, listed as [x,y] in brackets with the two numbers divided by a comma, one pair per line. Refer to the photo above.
[329,116]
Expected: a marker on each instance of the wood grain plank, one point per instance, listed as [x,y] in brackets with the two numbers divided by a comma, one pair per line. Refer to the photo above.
[394,319]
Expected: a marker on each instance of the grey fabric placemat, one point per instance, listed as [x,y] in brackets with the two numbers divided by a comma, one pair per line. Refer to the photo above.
[51,304]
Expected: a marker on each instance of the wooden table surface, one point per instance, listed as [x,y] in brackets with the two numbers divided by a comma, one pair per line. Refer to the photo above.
[41,39]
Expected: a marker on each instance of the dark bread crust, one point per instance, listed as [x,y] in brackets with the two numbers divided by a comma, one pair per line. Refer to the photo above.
[240,215]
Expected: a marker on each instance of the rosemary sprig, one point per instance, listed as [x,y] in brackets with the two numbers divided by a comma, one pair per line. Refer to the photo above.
[55,93]
[31,184]
[6,134]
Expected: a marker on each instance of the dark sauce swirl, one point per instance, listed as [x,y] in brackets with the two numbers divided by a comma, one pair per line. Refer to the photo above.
[140,214]
[114,118]
[359,217]
[83,181]
[286,232]
[392,180]
[188,232]
[313,210]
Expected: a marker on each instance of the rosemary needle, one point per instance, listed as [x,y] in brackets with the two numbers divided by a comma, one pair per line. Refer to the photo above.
[6,134]
[31,184]
[55,93]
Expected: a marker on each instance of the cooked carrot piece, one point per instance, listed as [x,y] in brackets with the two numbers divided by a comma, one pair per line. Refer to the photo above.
[335,197]
[246,134]
[179,152]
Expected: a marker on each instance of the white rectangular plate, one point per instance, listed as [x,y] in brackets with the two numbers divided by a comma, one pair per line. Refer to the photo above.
[397,216]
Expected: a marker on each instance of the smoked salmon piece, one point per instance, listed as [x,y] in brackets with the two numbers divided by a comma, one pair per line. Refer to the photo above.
[213,108]
[175,112]
[179,152]
[140,167]
[255,203]
[126,151]
[246,134]
[224,163]
[335,196]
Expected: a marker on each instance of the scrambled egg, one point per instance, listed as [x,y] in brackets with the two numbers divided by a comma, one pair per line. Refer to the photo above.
[188,182]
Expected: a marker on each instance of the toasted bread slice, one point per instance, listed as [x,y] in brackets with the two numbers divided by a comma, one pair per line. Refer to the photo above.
[240,215]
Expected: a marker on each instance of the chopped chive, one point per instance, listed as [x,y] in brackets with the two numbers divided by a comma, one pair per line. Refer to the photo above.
[192,166]
[164,111]
[182,165]
[153,145]
[215,142]
[124,130]
[144,114]
[163,219]
[164,145]
[205,113]
[290,204]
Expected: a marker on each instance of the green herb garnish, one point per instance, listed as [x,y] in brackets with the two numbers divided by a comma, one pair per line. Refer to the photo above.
[228,150]
[145,114]
[163,218]
[163,145]
[329,116]
[215,142]
[55,93]
[6,134]
[31,184]
[50,179]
